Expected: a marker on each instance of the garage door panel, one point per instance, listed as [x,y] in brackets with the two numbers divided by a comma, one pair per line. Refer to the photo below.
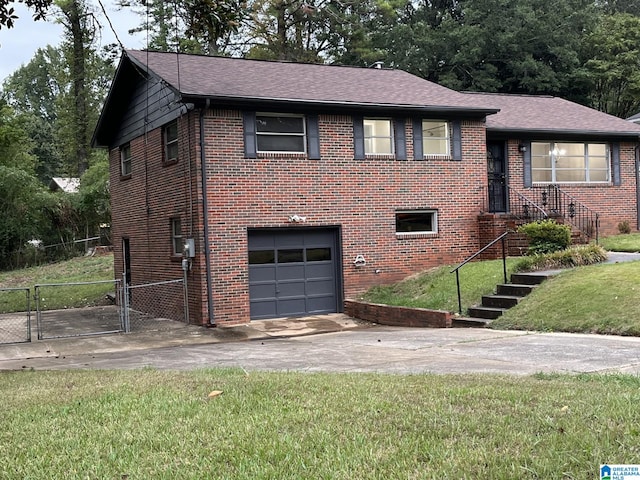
[263,291]
[321,304]
[319,270]
[292,273]
[260,274]
[291,289]
[320,287]
[263,309]
[293,306]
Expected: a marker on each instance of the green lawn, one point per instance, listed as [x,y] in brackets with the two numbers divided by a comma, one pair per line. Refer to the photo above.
[149,424]
[80,269]
[622,243]
[600,298]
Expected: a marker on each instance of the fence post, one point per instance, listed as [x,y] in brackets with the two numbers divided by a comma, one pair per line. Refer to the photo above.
[125,303]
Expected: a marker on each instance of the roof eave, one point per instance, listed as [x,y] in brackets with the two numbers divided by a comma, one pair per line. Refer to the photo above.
[562,133]
[324,105]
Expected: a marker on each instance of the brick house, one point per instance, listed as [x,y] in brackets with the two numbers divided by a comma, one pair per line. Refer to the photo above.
[299,185]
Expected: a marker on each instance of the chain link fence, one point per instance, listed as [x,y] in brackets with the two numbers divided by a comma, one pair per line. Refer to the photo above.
[59,312]
[156,306]
[15,315]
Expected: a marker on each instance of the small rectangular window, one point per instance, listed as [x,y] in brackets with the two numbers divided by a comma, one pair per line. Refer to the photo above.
[280,133]
[176,236]
[417,221]
[378,136]
[435,138]
[125,160]
[170,133]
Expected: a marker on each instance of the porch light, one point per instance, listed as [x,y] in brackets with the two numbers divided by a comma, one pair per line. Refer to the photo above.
[522,148]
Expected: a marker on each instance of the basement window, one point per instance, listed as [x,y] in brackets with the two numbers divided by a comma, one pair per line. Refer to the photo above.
[416,222]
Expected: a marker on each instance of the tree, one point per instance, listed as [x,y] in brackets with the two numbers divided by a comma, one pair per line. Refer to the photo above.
[613,65]
[191,26]
[33,90]
[8,15]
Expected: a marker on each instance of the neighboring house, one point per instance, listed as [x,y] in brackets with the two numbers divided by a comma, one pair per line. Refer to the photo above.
[299,185]
[635,118]
[66,184]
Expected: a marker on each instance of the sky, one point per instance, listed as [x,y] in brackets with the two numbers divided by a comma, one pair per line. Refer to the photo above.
[19,44]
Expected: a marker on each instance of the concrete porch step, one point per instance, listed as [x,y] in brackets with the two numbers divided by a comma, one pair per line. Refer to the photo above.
[466,322]
[500,301]
[490,313]
[515,289]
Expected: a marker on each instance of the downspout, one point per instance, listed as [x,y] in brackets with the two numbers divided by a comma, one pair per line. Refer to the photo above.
[205,215]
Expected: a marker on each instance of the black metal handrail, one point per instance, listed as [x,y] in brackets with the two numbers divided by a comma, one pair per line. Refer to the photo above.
[524,208]
[489,245]
[557,201]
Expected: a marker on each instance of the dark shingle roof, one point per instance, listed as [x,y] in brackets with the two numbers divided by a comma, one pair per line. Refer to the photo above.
[232,78]
[546,114]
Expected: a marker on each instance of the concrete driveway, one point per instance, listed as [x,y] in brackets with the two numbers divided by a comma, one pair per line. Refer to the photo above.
[367,349]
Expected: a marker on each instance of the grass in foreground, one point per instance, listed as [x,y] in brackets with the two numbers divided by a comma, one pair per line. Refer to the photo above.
[151,424]
[594,299]
[79,269]
[629,242]
[436,288]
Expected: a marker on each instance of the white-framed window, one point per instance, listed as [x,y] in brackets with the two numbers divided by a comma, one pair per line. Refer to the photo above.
[280,133]
[378,136]
[416,221]
[176,236]
[570,162]
[125,160]
[170,141]
[436,140]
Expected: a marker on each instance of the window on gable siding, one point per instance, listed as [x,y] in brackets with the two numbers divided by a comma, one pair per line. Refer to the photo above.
[435,138]
[125,160]
[378,136]
[170,141]
[280,133]
[566,162]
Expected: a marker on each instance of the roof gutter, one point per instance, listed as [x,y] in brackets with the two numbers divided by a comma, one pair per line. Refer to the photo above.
[205,216]
[549,133]
[338,106]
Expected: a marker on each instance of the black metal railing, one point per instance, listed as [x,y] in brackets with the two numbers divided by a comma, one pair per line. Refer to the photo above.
[501,239]
[557,202]
[524,208]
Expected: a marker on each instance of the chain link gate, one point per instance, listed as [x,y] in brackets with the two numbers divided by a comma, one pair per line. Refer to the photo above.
[15,315]
[155,306]
[69,321]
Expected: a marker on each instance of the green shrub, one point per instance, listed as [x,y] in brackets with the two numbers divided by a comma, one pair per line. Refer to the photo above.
[546,236]
[575,256]
[624,227]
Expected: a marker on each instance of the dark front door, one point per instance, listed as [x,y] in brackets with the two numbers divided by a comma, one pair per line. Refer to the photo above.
[497,176]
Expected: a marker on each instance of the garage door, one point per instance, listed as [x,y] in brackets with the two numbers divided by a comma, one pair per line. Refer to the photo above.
[292,273]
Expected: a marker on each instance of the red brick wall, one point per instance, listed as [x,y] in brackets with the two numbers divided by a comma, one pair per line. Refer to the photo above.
[142,208]
[359,195]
